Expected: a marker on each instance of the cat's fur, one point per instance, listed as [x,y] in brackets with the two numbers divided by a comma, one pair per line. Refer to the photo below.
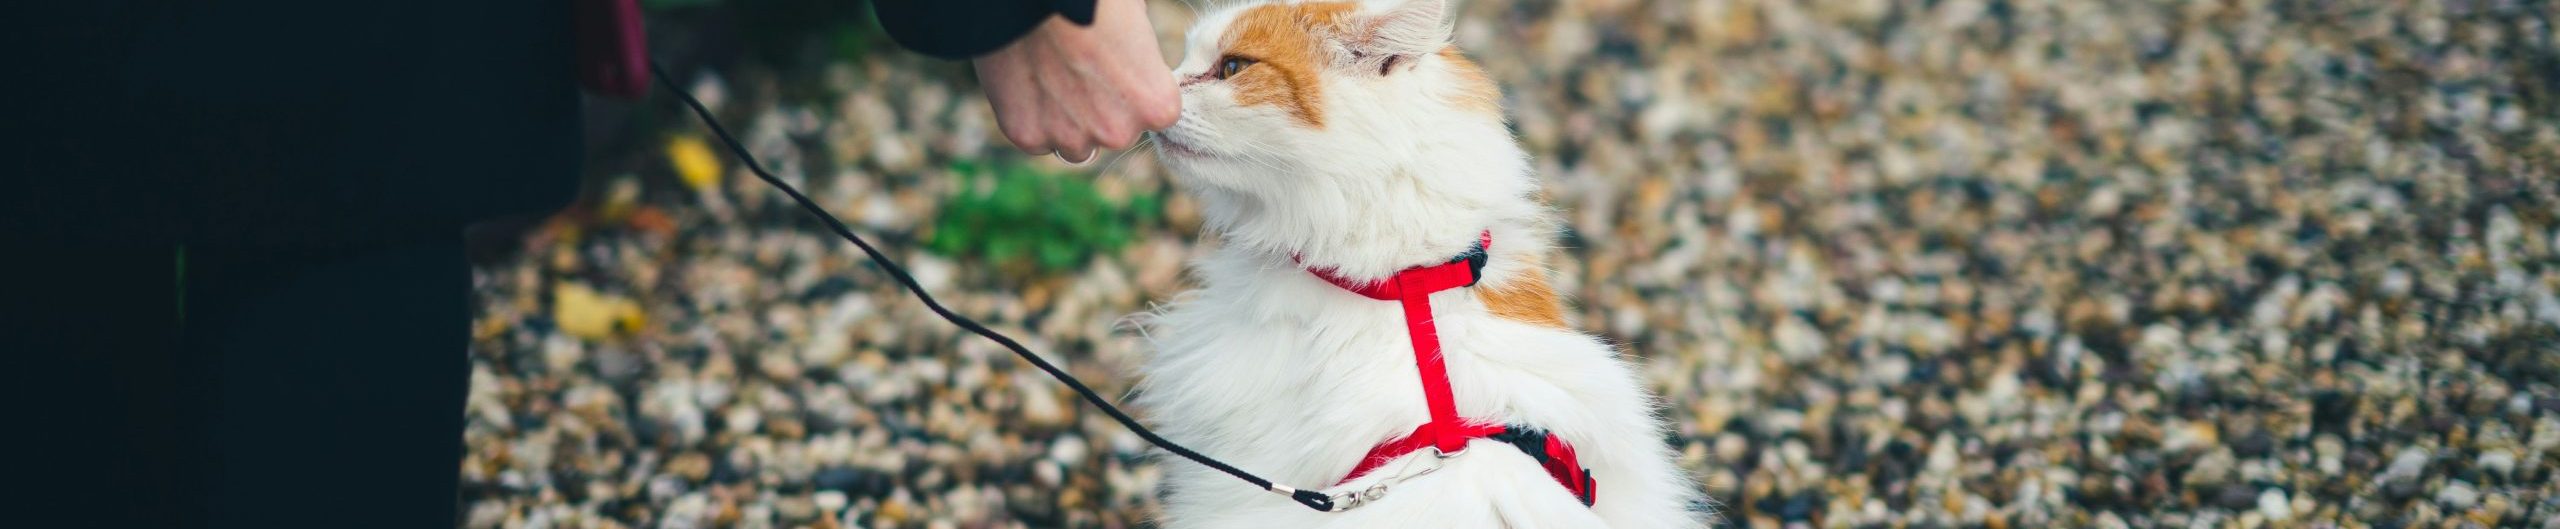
[1361,141]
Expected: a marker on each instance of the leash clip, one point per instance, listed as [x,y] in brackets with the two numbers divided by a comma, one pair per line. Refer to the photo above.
[1348,500]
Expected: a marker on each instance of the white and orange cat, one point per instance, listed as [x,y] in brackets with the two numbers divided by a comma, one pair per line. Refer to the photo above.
[1352,137]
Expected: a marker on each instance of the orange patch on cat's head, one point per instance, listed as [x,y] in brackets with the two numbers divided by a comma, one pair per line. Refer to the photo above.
[1474,92]
[1289,46]
[1286,43]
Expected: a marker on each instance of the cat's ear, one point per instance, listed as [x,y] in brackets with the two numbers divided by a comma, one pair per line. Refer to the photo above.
[1392,40]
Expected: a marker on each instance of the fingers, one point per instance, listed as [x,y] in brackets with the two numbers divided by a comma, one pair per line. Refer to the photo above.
[1150,106]
[1024,137]
[1074,139]
[1015,99]
[1119,134]
[1156,101]
[1150,95]
[1161,115]
[1065,137]
[1126,110]
[1075,90]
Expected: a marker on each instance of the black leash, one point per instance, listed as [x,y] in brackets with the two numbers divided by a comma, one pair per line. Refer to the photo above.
[1312,499]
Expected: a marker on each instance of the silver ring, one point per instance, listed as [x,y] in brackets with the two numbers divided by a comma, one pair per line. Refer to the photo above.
[1088,155]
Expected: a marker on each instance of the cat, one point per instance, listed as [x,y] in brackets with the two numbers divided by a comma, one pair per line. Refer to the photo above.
[1353,140]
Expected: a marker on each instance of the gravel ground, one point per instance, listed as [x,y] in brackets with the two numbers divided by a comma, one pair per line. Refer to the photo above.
[1931,264]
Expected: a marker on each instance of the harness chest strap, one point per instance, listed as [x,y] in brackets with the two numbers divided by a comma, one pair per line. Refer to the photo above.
[1446,432]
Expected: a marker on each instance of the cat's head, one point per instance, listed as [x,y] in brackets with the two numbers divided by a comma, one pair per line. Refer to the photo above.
[1300,117]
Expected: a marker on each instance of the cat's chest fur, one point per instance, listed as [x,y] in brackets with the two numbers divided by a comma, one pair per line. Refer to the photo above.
[1285,375]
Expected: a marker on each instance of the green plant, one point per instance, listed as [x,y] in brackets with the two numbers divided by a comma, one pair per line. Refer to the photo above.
[1024,219]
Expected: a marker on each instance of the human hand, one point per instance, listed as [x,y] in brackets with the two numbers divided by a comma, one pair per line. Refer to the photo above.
[1075,89]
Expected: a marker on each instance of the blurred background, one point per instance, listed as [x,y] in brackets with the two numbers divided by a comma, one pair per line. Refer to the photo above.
[1939,263]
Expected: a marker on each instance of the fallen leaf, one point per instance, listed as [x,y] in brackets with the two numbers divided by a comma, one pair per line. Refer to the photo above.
[694,163]
[582,312]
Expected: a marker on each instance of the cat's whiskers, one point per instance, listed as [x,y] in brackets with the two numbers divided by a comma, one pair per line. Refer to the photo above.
[1150,136]
[1254,151]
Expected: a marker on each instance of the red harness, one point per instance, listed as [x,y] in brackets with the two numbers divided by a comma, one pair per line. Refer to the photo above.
[1447,432]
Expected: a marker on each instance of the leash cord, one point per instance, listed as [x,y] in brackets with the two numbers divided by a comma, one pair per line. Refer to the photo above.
[1312,499]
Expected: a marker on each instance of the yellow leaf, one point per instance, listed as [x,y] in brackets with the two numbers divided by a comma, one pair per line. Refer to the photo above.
[694,162]
[582,312]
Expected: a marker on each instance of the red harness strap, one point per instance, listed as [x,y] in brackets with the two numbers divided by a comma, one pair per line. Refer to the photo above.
[1446,432]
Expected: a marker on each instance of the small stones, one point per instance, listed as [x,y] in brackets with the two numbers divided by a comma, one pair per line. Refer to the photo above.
[850,481]
[1048,473]
[2401,490]
[1068,450]
[2101,264]
[2493,511]
[2184,435]
[1798,341]
[692,466]
[1730,447]
[2211,471]
[2498,462]
[691,511]
[2407,466]
[2457,495]
[2257,444]
[2325,453]
[485,514]
[2272,504]
[794,510]
[2236,498]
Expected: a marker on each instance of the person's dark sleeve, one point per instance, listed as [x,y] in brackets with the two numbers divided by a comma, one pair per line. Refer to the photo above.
[960,29]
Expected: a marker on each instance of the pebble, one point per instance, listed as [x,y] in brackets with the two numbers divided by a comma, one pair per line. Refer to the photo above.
[2211,471]
[692,466]
[829,502]
[2237,498]
[2326,453]
[2457,495]
[690,511]
[2184,435]
[1799,341]
[1068,450]
[796,510]
[2500,462]
[1048,473]
[2273,505]
[1730,447]
[2493,510]
[485,514]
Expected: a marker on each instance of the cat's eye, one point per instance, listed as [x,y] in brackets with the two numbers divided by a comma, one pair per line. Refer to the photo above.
[1228,67]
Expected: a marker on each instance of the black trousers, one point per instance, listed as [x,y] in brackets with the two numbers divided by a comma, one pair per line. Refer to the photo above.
[233,290]
[249,387]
